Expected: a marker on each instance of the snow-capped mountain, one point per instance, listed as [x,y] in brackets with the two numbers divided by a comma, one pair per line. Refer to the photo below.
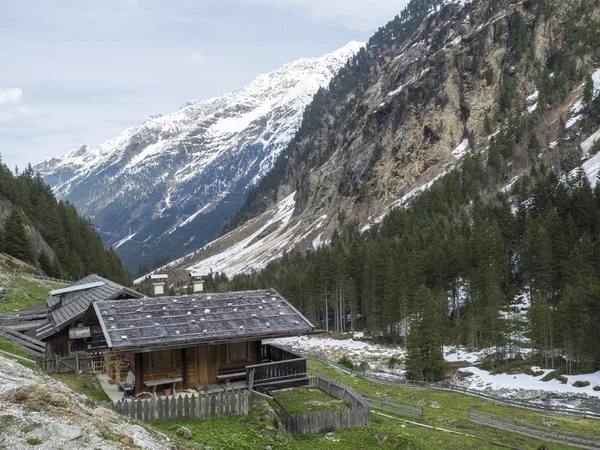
[171,182]
[427,92]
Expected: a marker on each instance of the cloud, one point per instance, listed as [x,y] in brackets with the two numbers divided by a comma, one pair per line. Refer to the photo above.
[196,58]
[11,96]
[355,15]
[6,117]
[27,111]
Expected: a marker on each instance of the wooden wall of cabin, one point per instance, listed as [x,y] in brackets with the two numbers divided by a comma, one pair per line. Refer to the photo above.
[227,355]
[158,365]
[58,344]
[196,365]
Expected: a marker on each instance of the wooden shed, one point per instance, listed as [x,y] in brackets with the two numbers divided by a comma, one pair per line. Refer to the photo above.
[66,308]
[202,339]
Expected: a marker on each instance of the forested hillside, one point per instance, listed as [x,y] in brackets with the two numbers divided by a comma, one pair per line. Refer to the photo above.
[516,84]
[447,267]
[51,235]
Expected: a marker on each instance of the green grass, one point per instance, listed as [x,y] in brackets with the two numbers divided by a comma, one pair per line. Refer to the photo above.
[305,400]
[24,292]
[256,431]
[84,384]
[34,441]
[8,346]
[260,428]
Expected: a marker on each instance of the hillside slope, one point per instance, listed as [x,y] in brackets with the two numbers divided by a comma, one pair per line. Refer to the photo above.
[169,184]
[40,411]
[435,84]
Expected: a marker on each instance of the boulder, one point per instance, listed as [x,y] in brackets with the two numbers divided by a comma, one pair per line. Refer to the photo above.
[67,432]
[330,436]
[184,432]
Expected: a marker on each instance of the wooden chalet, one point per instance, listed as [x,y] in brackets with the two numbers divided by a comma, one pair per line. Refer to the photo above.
[192,341]
[66,307]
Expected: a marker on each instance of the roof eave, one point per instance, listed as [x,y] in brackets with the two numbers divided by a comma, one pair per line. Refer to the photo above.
[102,325]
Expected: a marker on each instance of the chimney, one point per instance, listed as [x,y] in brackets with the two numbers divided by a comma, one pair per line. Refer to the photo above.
[198,282]
[159,281]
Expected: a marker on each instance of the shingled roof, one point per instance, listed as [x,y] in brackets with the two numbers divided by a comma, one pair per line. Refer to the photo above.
[164,322]
[68,307]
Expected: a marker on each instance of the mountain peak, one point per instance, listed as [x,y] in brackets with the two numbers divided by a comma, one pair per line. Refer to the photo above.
[192,165]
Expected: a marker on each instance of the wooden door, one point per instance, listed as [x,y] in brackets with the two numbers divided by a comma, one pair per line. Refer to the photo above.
[207,364]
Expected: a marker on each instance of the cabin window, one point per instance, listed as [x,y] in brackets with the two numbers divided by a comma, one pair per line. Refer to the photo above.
[161,360]
[237,352]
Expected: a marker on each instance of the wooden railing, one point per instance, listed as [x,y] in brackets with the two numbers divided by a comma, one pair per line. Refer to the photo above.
[272,353]
[24,342]
[97,341]
[260,374]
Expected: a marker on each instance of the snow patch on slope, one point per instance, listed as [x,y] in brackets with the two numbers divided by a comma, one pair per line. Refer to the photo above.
[183,161]
[517,383]
[257,250]
[576,111]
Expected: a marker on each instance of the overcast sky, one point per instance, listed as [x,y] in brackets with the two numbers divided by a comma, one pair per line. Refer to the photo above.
[78,72]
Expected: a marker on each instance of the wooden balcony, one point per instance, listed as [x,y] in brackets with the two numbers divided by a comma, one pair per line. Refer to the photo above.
[282,369]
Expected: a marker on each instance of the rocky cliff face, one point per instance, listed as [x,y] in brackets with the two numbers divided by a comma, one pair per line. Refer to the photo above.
[169,184]
[442,80]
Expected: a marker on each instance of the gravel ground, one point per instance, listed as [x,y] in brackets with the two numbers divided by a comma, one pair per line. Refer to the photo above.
[37,411]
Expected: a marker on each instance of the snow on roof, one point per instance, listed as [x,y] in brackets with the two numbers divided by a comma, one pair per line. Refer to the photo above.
[187,320]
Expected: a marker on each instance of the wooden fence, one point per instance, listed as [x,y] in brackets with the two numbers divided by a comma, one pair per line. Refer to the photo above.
[33,275]
[66,364]
[201,406]
[395,407]
[356,415]
[24,342]
[539,432]
[445,386]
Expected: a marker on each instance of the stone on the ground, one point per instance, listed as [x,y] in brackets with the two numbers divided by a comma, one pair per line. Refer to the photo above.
[184,432]
[547,422]
[435,405]
[380,437]
[68,432]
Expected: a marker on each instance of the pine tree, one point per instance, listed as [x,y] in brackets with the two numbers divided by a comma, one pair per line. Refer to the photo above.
[425,357]
[588,91]
[45,263]
[16,241]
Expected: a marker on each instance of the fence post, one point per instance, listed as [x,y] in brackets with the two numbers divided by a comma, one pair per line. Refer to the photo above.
[160,410]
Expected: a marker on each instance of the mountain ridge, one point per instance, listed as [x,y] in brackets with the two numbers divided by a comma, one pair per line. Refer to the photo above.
[191,168]
[457,85]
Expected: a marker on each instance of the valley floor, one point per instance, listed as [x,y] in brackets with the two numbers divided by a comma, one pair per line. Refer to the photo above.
[515,385]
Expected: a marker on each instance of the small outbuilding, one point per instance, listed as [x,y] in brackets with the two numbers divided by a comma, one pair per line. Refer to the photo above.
[62,330]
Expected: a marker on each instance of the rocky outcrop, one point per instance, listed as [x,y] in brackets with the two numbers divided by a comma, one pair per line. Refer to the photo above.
[39,410]
[424,101]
